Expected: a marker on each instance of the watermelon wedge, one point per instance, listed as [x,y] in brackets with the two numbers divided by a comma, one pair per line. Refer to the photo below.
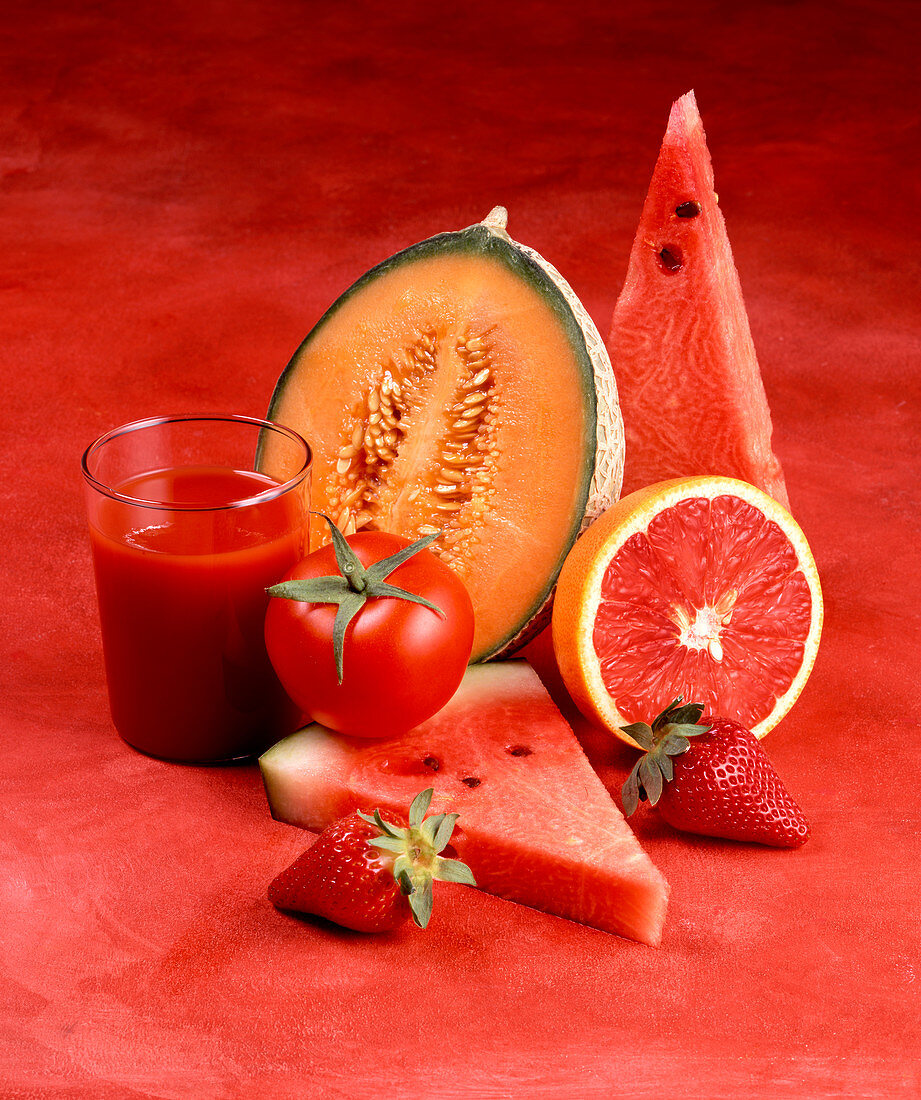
[536,826]
[691,393]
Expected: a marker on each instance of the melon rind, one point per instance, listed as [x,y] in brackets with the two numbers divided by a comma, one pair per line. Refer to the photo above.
[608,475]
[602,468]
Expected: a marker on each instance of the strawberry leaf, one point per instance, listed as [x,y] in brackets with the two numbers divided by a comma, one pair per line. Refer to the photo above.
[444,831]
[385,827]
[452,870]
[402,872]
[660,720]
[419,806]
[429,827]
[686,715]
[641,733]
[420,902]
[673,744]
[630,792]
[651,778]
[388,843]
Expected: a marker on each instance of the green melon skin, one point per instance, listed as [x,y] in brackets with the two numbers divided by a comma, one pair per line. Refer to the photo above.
[343,359]
[536,824]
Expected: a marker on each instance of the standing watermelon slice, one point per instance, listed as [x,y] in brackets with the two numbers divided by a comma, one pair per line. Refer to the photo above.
[690,389]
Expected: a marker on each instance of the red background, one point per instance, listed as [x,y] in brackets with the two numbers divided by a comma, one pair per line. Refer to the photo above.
[185,188]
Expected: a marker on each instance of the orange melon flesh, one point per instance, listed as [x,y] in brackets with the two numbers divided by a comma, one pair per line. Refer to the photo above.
[536,824]
[652,638]
[690,388]
[452,389]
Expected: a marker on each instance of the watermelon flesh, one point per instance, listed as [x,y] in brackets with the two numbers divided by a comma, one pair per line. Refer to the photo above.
[691,393]
[536,825]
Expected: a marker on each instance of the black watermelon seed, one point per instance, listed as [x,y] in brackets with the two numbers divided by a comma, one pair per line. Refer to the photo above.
[671,259]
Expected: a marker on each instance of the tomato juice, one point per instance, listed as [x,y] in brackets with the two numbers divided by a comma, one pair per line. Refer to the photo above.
[181,572]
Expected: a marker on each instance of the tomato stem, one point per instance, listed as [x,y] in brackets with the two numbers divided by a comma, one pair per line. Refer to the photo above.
[353,586]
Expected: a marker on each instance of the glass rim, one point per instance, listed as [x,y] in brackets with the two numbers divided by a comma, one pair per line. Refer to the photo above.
[172,506]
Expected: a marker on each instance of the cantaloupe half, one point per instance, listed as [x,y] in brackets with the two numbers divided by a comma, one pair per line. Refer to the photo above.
[461,387]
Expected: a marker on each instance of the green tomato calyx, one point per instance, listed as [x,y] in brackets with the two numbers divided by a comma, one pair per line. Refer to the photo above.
[353,585]
[416,852]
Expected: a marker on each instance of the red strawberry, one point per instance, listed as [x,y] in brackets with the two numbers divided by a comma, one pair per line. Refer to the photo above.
[372,875]
[720,784]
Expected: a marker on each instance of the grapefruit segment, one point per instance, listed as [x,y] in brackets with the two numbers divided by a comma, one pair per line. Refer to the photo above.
[699,587]
[690,388]
[537,825]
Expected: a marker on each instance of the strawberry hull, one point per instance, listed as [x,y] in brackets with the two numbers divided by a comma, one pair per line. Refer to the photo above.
[536,824]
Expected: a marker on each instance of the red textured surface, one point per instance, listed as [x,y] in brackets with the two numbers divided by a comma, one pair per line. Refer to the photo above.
[185,188]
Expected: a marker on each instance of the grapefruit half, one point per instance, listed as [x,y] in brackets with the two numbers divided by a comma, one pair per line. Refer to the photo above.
[703,587]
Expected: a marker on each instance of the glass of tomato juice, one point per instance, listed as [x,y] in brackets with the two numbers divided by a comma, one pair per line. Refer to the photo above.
[186,537]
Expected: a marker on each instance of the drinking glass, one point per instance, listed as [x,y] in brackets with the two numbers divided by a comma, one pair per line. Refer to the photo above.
[186,537]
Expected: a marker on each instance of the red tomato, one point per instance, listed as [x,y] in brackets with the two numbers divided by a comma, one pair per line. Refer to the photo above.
[401,661]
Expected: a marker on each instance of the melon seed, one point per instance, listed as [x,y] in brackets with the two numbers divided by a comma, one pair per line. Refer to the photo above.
[457,486]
